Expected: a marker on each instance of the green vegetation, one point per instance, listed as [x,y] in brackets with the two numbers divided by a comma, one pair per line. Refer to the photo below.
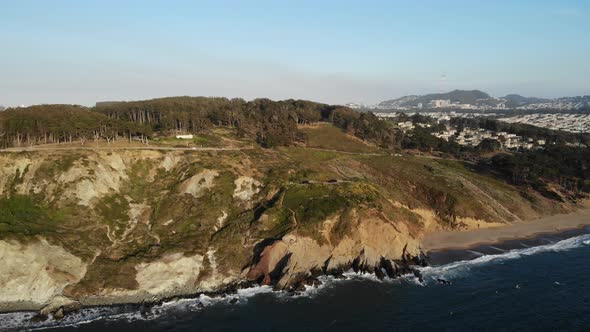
[348,171]
[301,189]
[332,138]
[274,123]
[44,124]
[114,210]
[311,204]
[569,167]
[21,216]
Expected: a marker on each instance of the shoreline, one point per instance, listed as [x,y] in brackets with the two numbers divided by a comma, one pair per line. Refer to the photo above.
[463,240]
[440,247]
[446,256]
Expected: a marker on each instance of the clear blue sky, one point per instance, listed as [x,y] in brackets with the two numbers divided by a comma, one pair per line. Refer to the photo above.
[333,51]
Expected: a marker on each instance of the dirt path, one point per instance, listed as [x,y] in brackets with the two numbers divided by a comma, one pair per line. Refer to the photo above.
[110,148]
[347,152]
[159,148]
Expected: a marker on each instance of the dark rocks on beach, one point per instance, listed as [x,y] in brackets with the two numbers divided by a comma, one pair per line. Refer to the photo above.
[39,318]
[443,281]
[299,288]
[145,309]
[314,282]
[418,275]
[356,264]
[402,268]
[420,260]
[59,314]
[379,273]
[389,267]
[337,273]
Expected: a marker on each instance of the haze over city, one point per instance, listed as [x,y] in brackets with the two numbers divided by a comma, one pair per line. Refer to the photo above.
[347,51]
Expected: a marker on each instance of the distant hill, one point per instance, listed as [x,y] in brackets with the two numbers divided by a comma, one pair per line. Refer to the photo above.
[479,100]
[515,100]
[472,97]
[2,108]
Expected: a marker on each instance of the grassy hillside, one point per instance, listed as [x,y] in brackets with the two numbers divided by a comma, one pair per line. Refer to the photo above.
[326,136]
[121,210]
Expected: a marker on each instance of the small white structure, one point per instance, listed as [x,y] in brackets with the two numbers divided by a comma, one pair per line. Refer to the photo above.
[189,136]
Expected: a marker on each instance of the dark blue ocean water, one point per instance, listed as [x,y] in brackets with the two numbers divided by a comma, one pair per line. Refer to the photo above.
[541,288]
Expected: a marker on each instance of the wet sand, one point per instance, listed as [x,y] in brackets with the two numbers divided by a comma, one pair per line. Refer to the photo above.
[447,240]
[445,256]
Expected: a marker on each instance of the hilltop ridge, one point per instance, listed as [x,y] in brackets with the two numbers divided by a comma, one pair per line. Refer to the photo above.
[109,206]
[477,100]
[141,225]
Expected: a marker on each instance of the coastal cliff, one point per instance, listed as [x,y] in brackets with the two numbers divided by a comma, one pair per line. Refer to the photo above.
[100,227]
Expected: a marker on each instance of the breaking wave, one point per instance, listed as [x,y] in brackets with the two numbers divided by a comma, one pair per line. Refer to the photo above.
[451,270]
[130,313]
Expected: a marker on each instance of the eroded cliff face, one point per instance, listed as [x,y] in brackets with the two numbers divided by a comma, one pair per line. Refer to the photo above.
[86,228]
[293,260]
[35,273]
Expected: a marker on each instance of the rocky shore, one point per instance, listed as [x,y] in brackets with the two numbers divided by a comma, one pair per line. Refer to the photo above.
[95,228]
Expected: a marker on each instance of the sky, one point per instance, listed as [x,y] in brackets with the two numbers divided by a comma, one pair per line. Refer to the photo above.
[80,52]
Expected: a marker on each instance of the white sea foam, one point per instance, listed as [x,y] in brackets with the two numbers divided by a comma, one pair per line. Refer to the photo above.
[497,249]
[22,320]
[455,269]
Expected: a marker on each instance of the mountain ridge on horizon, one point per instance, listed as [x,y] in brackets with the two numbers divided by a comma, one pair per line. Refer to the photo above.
[476,98]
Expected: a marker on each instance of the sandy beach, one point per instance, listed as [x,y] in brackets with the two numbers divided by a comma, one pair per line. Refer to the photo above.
[471,238]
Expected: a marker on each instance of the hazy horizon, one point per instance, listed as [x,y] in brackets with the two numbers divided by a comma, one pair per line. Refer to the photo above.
[334,51]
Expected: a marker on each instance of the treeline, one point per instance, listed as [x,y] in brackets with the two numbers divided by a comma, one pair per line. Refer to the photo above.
[569,167]
[45,124]
[270,123]
[274,123]
[366,126]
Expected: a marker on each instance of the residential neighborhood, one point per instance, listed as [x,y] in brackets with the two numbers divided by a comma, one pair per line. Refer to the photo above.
[472,137]
[575,123]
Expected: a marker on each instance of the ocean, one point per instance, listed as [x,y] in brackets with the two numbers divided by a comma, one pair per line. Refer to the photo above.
[540,284]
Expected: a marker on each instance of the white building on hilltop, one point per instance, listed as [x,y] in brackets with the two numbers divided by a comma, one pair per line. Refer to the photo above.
[439,103]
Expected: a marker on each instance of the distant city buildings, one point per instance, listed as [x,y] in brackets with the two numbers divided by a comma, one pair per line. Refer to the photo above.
[473,137]
[439,116]
[439,103]
[478,101]
[575,123]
